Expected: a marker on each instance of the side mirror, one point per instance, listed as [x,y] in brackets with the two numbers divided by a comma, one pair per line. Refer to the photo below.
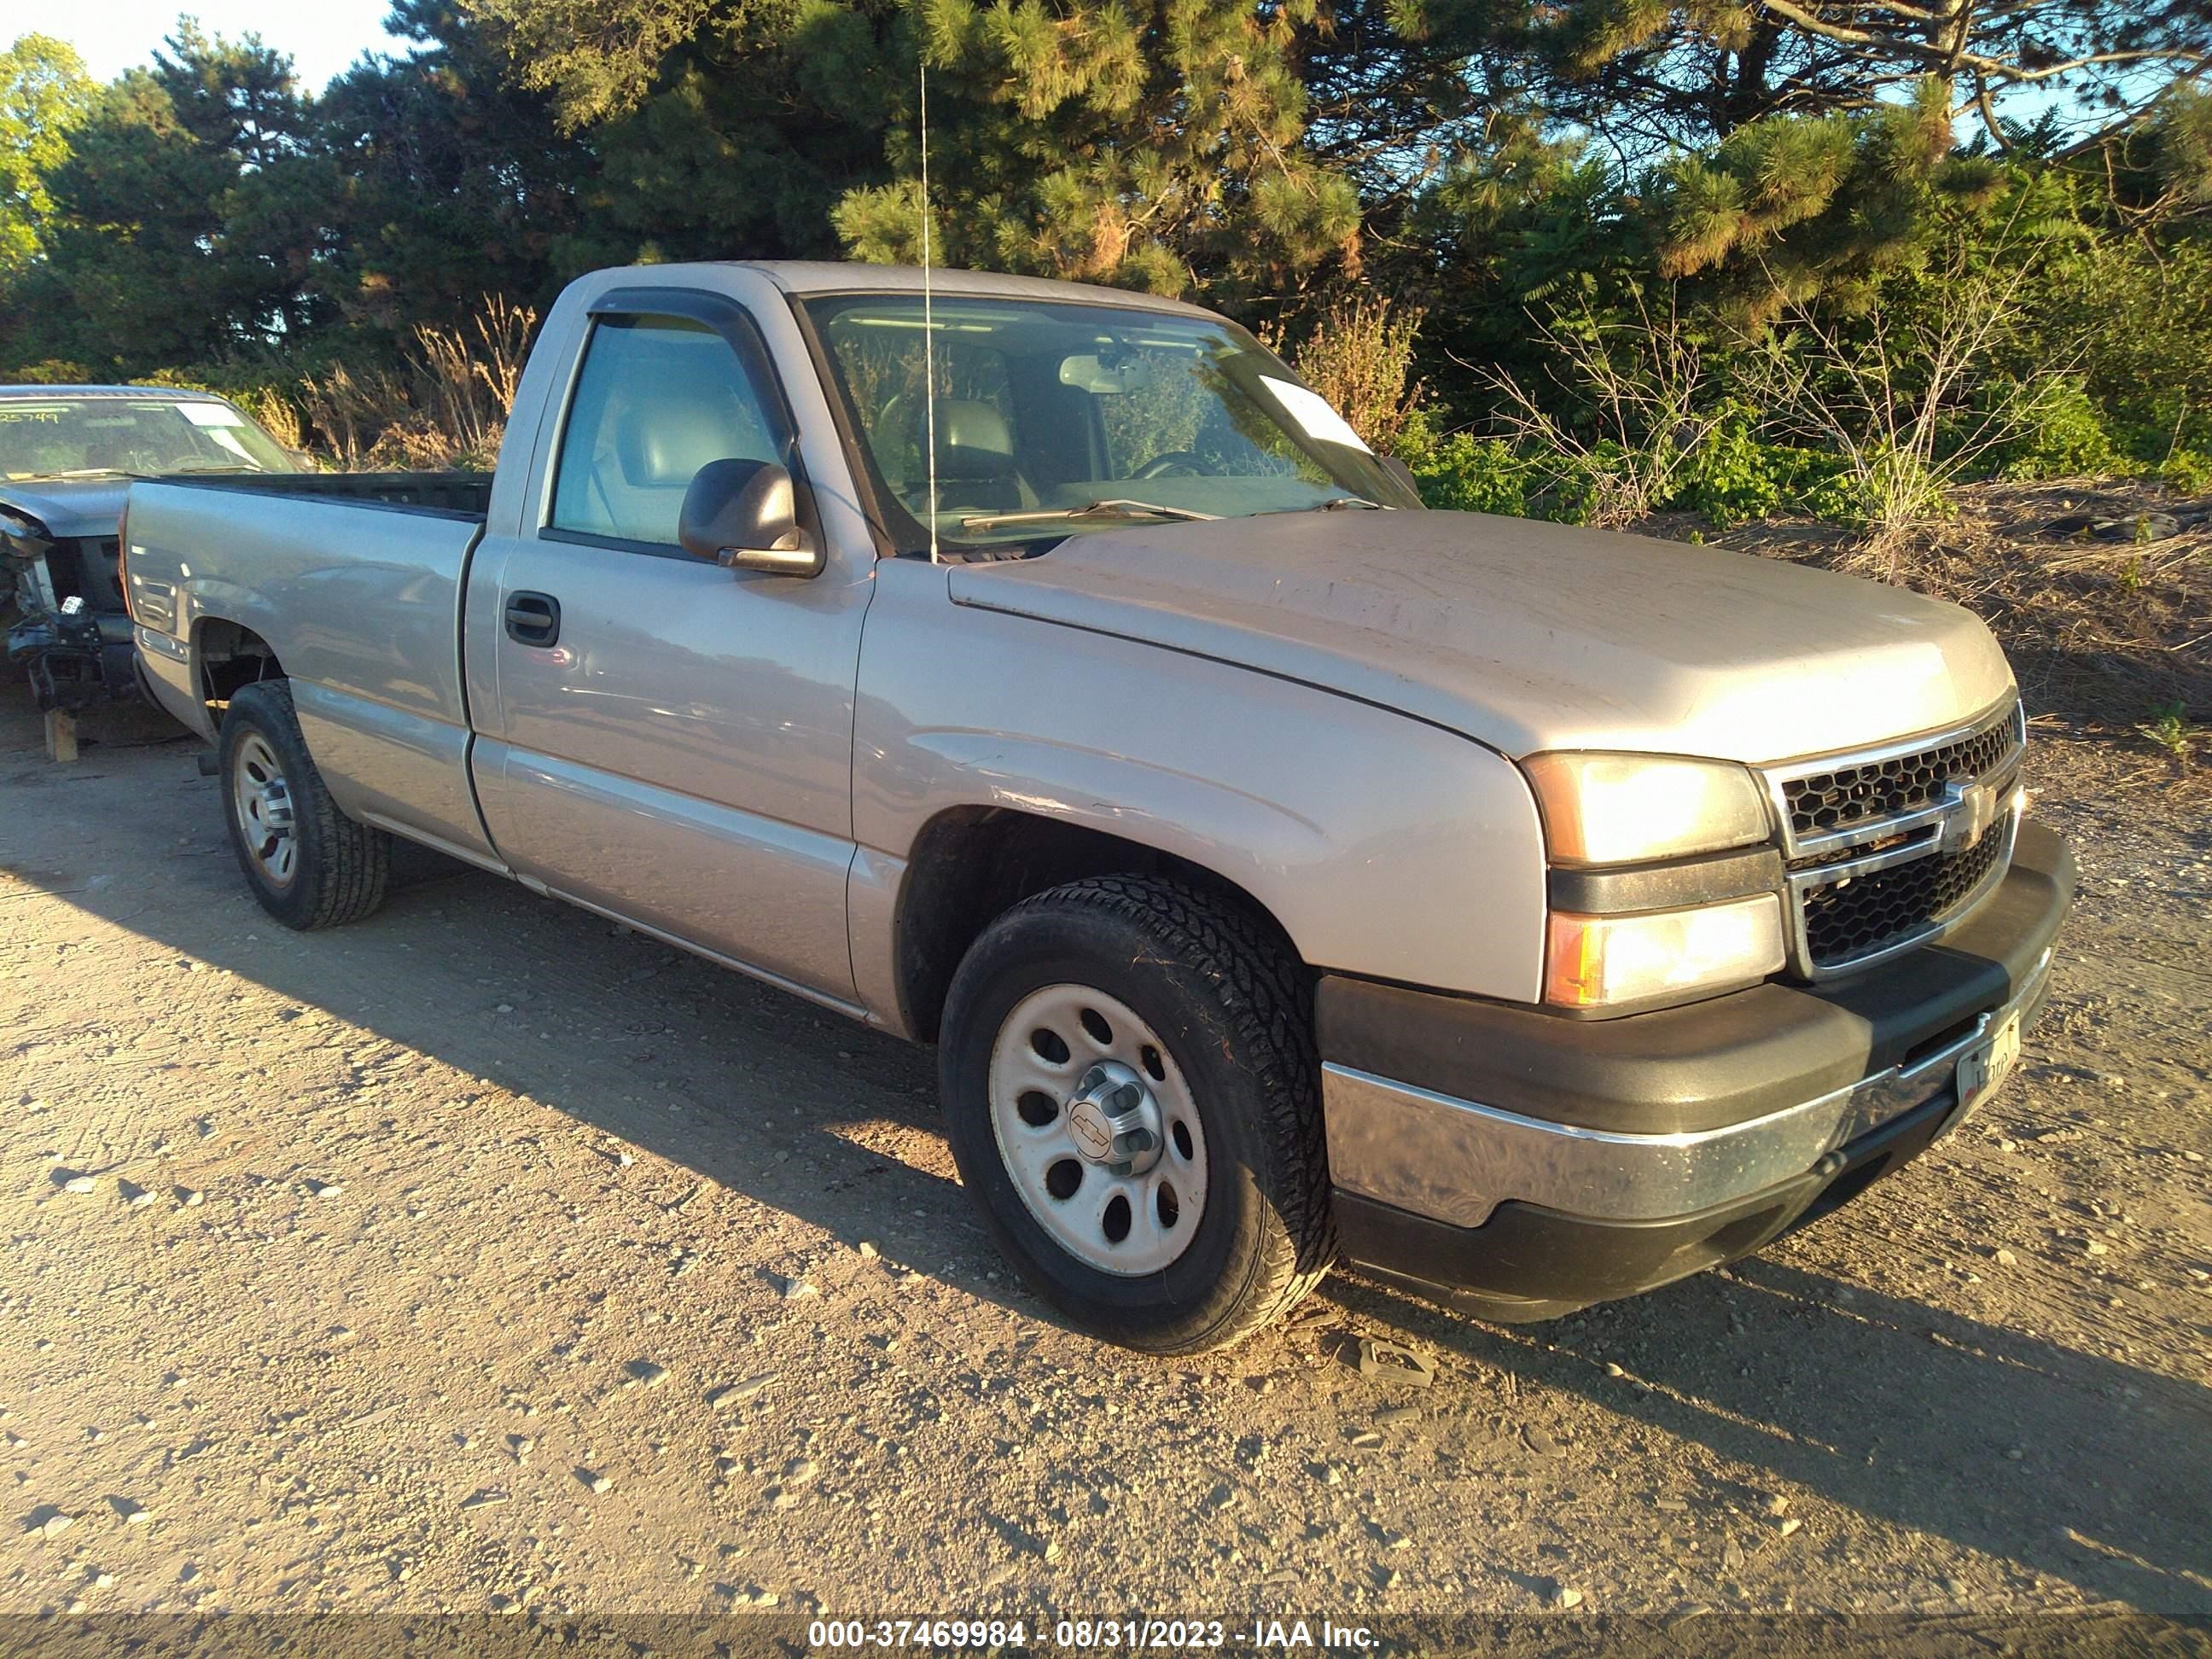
[745,516]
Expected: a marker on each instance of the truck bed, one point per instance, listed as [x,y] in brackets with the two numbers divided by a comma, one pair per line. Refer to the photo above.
[350,584]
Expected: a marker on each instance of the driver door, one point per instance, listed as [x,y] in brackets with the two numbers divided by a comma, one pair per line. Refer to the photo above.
[671,741]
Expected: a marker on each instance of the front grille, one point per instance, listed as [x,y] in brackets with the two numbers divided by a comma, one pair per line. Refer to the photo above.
[1848,795]
[1874,860]
[1860,914]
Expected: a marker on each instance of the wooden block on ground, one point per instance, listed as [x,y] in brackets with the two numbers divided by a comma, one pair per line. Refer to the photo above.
[61,735]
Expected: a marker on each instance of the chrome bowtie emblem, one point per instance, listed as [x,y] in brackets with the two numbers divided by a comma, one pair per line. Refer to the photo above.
[1973,809]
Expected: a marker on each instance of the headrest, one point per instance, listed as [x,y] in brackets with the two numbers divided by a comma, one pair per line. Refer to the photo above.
[664,443]
[973,440]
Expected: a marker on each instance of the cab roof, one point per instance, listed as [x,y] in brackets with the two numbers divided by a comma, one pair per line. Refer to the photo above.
[807,278]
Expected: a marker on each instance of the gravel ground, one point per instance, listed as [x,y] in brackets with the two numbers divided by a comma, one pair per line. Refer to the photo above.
[485,1256]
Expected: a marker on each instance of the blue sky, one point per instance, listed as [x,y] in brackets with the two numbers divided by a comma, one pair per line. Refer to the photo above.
[322,36]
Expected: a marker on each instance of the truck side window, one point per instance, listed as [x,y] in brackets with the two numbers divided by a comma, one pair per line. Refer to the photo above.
[657,398]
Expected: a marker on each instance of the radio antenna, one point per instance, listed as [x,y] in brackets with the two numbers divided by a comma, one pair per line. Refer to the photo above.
[929,315]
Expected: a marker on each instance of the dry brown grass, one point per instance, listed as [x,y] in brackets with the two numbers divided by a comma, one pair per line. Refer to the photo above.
[444,408]
[279,416]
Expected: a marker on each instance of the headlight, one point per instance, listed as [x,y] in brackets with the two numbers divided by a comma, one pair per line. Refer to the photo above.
[1624,809]
[1607,962]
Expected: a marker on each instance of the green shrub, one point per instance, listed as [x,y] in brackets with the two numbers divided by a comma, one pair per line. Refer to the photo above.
[1731,475]
[2061,435]
[1735,474]
[2188,472]
[2138,313]
[1464,473]
[1459,473]
[2169,728]
[1569,489]
[52,371]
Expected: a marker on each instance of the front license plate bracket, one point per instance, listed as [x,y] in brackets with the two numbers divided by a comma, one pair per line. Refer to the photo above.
[1984,1067]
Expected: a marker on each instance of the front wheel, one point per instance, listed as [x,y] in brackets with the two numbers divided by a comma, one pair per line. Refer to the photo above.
[308,863]
[1133,1097]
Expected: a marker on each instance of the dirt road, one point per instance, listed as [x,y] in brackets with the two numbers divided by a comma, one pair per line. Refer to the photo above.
[486,1256]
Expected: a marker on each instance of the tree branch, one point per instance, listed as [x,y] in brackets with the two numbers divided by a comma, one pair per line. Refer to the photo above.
[1993,68]
[1987,106]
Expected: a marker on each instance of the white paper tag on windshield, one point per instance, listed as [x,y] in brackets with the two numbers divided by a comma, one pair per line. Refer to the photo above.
[210,414]
[1312,413]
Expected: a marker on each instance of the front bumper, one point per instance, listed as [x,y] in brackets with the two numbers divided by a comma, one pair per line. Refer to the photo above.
[1534,1164]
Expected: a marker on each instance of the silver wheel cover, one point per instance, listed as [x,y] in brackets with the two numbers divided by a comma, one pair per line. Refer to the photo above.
[1098,1130]
[264,809]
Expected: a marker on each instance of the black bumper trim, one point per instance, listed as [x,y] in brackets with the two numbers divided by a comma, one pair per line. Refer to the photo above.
[1717,1062]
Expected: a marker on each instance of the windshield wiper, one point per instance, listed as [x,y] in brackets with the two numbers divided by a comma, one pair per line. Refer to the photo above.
[81,472]
[1131,510]
[1335,501]
[185,471]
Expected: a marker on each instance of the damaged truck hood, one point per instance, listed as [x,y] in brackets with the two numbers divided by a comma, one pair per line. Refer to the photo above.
[68,507]
[1524,635]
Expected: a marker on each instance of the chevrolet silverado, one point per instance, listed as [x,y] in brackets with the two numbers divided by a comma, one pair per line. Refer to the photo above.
[1283,872]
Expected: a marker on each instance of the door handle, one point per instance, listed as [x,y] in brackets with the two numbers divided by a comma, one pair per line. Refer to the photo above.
[533,619]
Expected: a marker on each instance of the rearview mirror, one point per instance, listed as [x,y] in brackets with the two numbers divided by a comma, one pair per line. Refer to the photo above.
[745,516]
[1103,379]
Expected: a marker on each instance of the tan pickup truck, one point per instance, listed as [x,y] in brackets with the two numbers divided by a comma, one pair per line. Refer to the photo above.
[1283,872]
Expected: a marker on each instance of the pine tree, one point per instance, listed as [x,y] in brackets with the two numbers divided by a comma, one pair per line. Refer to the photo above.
[449,183]
[1157,144]
[709,129]
[1646,75]
[185,222]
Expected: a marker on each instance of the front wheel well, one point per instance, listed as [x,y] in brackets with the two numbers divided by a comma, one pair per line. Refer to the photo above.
[971,865]
[230,656]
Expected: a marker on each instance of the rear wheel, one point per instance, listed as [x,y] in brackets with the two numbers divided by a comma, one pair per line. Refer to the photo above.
[308,863]
[1133,1099]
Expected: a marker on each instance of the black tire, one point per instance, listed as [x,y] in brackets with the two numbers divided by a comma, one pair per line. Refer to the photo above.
[1233,1005]
[338,867]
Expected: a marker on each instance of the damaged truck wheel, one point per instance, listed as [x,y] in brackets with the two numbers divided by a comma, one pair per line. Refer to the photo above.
[308,863]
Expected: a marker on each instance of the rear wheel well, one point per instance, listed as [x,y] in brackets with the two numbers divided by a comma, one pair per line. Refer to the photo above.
[971,865]
[230,656]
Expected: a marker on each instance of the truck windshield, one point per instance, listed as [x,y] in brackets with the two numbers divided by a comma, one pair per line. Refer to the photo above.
[1056,419]
[63,437]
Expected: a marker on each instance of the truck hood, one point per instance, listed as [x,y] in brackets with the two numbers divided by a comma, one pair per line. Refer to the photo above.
[1523,635]
[69,508]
